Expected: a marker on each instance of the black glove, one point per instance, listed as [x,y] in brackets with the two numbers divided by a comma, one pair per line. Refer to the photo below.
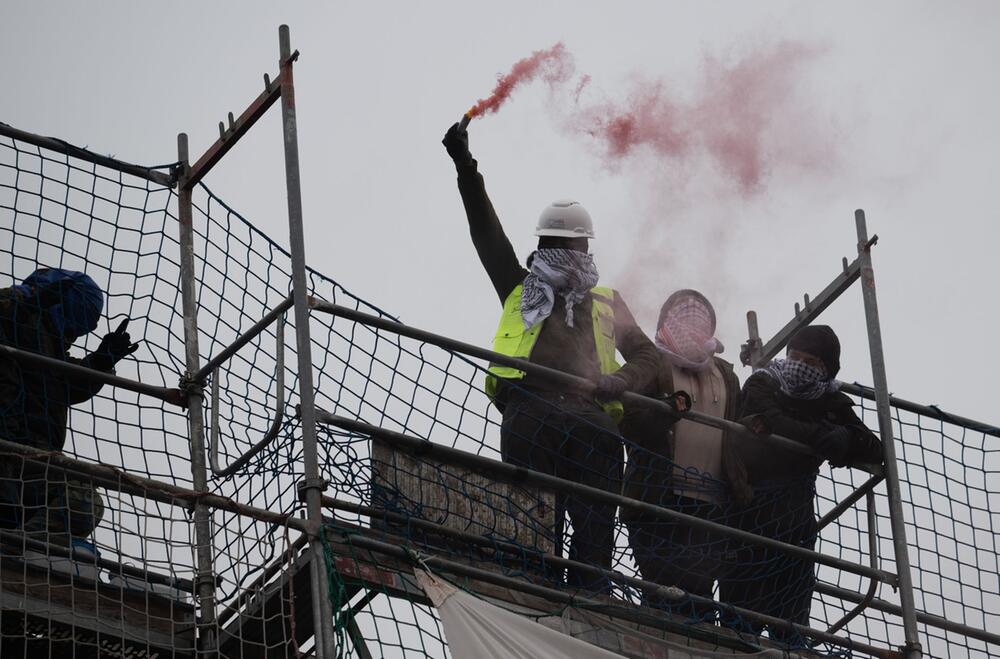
[114,347]
[609,387]
[679,400]
[456,141]
[835,445]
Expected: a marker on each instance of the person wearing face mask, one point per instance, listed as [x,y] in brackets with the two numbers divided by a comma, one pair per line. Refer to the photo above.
[681,466]
[46,314]
[555,315]
[797,398]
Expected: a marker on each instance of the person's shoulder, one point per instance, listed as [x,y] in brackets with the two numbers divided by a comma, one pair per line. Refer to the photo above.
[762,378]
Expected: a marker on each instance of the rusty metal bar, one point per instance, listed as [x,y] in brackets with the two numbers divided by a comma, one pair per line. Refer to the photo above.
[60,146]
[243,339]
[236,130]
[813,308]
[506,472]
[168,395]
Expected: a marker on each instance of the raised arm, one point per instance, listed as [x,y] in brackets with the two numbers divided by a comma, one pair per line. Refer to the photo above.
[491,243]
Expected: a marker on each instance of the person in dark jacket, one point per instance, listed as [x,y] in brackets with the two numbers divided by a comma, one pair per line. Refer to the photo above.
[681,466]
[797,398]
[45,314]
[556,316]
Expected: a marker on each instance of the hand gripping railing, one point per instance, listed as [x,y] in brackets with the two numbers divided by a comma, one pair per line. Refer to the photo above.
[279,407]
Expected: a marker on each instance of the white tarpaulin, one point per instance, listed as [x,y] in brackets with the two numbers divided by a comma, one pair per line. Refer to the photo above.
[477,629]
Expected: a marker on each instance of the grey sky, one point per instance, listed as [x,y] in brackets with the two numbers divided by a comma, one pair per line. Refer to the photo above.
[908,91]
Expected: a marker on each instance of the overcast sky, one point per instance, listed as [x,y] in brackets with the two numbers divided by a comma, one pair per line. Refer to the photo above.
[890,107]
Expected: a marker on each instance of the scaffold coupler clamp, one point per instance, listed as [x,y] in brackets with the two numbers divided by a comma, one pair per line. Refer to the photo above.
[912,649]
[306,484]
[189,387]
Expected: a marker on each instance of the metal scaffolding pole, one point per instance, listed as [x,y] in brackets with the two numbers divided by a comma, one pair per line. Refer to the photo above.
[204,556]
[911,648]
[312,486]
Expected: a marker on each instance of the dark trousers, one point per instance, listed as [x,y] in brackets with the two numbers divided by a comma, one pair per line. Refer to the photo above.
[672,553]
[767,580]
[572,438]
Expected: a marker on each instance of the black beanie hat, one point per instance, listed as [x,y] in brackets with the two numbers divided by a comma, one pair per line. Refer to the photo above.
[821,342]
[680,295]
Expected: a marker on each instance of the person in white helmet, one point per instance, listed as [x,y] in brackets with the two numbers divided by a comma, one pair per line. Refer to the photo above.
[556,315]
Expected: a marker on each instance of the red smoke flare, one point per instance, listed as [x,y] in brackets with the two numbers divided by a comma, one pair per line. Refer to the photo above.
[555,65]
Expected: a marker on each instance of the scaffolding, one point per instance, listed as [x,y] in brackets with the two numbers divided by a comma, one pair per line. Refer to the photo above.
[263,506]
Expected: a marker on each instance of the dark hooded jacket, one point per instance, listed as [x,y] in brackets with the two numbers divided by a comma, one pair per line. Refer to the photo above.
[34,402]
[757,463]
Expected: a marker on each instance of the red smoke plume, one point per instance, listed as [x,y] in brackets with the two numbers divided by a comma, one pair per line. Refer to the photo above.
[555,66]
[733,118]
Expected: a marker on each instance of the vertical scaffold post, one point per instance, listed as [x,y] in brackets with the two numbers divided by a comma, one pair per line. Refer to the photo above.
[911,648]
[312,485]
[204,554]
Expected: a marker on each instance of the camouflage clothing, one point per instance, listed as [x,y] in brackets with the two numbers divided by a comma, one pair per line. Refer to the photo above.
[34,408]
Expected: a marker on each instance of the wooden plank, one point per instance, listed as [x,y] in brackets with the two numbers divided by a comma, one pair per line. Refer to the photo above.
[461,499]
[84,609]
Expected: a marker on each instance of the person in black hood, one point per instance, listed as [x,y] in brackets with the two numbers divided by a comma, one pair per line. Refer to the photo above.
[46,314]
[774,488]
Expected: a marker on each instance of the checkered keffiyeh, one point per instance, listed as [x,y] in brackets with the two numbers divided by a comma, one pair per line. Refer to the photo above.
[567,272]
[800,380]
[685,334]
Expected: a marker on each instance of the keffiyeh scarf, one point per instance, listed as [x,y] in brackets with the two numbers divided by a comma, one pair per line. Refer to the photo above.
[686,335]
[800,380]
[566,272]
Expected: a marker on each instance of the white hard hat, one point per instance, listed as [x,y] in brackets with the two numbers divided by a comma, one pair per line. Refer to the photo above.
[565,219]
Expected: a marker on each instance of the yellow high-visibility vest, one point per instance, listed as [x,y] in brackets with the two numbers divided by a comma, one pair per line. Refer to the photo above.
[513,340]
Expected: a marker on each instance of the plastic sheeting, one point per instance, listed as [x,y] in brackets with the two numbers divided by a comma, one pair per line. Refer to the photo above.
[477,629]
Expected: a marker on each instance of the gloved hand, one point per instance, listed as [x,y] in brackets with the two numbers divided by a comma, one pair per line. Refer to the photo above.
[456,141]
[679,400]
[609,387]
[114,347]
[835,445]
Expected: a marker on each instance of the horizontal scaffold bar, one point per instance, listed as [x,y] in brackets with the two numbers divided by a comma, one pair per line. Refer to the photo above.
[931,411]
[523,476]
[59,146]
[169,395]
[553,375]
[116,479]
